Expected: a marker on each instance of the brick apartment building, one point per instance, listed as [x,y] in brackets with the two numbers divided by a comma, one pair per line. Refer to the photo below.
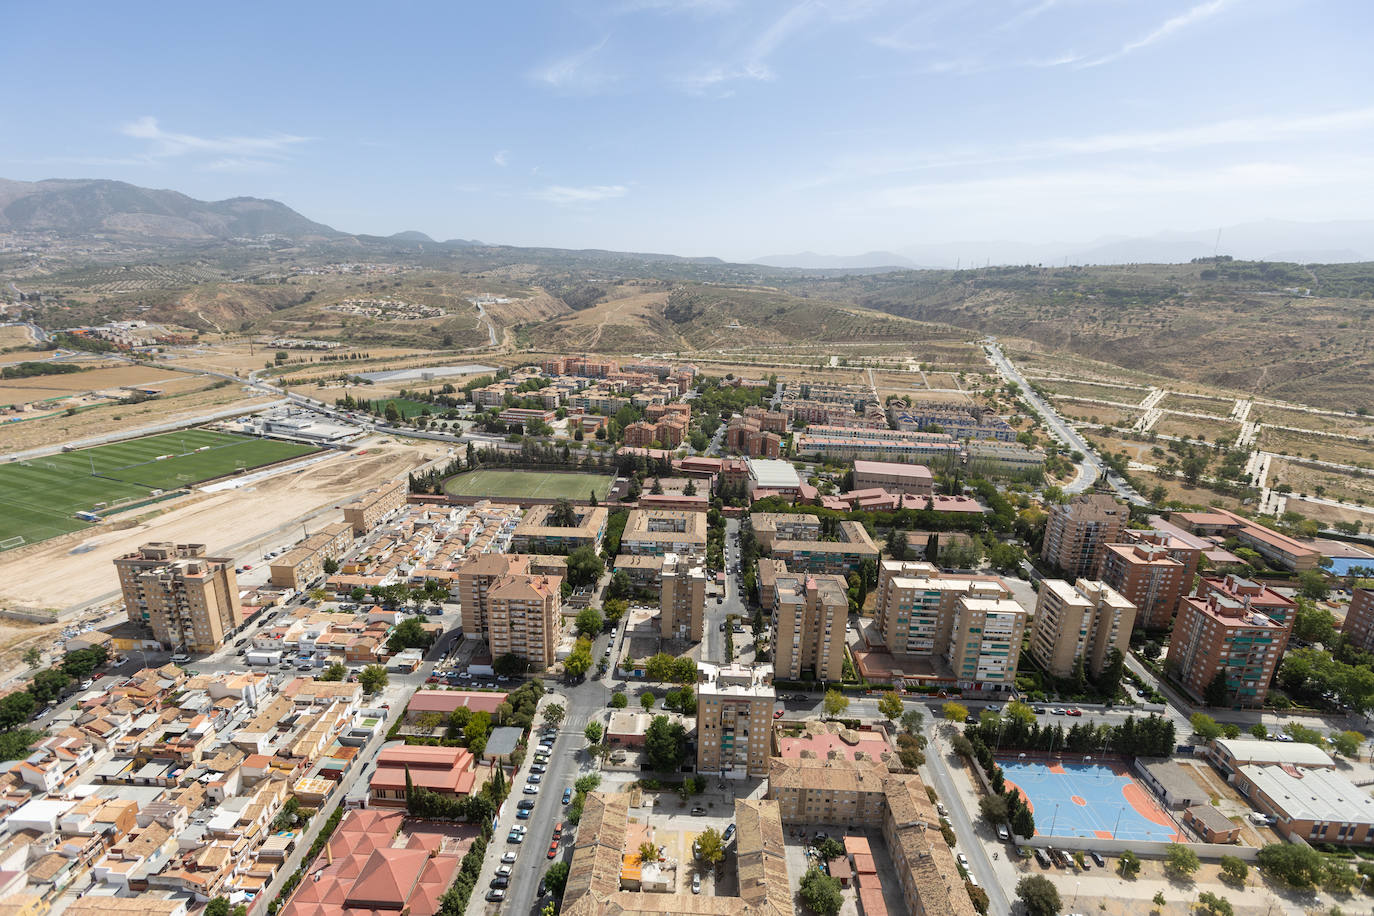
[682,598]
[1217,633]
[1078,532]
[190,600]
[523,618]
[894,477]
[734,717]
[1149,578]
[917,604]
[368,510]
[1359,619]
[985,643]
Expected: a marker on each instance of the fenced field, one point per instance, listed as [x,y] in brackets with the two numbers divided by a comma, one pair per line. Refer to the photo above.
[39,497]
[545,484]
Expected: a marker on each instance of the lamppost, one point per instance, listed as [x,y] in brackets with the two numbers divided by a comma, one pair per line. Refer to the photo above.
[1054,820]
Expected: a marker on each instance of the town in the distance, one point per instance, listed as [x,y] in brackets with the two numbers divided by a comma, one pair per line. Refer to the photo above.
[590,635]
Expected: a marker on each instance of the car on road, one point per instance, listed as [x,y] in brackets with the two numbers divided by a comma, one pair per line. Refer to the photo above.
[962,860]
[696,883]
[500,881]
[970,719]
[508,858]
[1074,712]
[567,796]
[531,790]
[729,833]
[534,778]
[1057,711]
[553,849]
[697,812]
[496,895]
[515,836]
[1003,833]
[538,768]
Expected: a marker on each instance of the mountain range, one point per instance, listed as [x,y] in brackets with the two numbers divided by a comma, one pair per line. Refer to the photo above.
[120,211]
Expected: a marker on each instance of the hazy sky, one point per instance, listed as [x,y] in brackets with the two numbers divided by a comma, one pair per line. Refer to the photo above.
[736,128]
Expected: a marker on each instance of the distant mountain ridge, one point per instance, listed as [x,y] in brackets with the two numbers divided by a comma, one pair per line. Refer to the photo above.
[85,207]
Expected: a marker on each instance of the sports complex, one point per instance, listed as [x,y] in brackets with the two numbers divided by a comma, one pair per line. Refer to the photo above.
[1099,800]
[514,484]
[40,497]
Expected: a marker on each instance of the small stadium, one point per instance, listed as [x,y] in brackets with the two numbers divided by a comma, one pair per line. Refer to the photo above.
[542,484]
[1089,799]
[41,497]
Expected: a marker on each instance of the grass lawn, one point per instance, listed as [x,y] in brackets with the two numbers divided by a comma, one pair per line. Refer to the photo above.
[39,497]
[408,408]
[550,484]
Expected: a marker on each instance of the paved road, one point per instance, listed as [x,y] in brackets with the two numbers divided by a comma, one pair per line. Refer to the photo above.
[962,821]
[1091,468]
[713,649]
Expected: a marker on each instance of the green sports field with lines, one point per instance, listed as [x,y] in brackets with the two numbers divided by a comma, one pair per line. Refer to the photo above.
[39,497]
[546,484]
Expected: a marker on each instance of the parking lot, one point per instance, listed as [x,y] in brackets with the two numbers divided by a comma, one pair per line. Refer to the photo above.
[801,856]
[675,834]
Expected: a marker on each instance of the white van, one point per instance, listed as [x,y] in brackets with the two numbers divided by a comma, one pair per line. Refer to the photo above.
[180,657]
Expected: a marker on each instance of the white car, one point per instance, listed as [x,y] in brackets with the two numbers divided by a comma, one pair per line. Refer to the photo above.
[508,859]
[963,860]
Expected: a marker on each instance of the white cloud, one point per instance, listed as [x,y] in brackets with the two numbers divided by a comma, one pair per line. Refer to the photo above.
[168,144]
[1177,23]
[574,72]
[499,157]
[751,62]
[564,195]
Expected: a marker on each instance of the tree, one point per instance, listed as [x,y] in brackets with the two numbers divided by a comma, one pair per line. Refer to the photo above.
[580,659]
[1297,866]
[1039,895]
[330,566]
[509,665]
[1204,726]
[589,621]
[993,808]
[48,684]
[619,700]
[1312,624]
[1347,743]
[372,678]
[615,608]
[648,851]
[821,893]
[647,700]
[1023,822]
[410,634]
[593,732]
[1312,585]
[835,703]
[1109,681]
[897,545]
[1216,692]
[710,846]
[553,714]
[1128,863]
[890,705]
[619,587]
[1158,899]
[1259,731]
[16,708]
[556,877]
[954,712]
[1180,861]
[335,672]
[562,515]
[1234,870]
[584,567]
[1021,712]
[830,848]
[665,744]
[1210,904]
[912,720]
[32,656]
[219,906]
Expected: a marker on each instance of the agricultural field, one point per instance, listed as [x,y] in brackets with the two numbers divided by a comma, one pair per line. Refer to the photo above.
[45,387]
[406,407]
[512,484]
[40,497]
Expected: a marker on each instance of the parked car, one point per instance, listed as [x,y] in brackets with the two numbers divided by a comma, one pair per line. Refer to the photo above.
[697,812]
[531,790]
[1043,859]
[729,833]
[534,778]
[696,882]
[1074,712]
[500,881]
[538,768]
[496,895]
[508,858]
[1097,859]
[553,849]
[567,796]
[962,860]
[1057,711]
[1003,833]
[515,837]
[542,889]
[1038,710]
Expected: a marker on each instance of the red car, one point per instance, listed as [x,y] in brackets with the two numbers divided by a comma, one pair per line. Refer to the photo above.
[553,849]
[558,830]
[777,714]
[1075,711]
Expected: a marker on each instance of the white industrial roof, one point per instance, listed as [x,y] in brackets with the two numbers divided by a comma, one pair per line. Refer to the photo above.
[1245,751]
[773,473]
[1313,795]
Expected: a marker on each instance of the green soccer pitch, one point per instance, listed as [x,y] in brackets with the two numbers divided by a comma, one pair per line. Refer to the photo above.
[510,484]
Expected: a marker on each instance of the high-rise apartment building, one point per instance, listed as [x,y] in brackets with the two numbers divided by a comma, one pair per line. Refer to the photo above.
[523,618]
[1078,532]
[917,602]
[682,598]
[475,579]
[1182,546]
[1252,595]
[1215,634]
[734,719]
[1085,621]
[810,614]
[1359,619]
[190,601]
[654,532]
[985,643]
[1149,578]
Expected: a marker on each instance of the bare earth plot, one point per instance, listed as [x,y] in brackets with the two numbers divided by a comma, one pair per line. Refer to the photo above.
[77,568]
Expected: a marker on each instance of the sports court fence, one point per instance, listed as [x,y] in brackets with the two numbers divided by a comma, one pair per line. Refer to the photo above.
[1146,849]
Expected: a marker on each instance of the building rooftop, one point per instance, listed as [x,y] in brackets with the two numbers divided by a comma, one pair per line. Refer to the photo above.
[1251,750]
[891,467]
[1312,795]
[773,473]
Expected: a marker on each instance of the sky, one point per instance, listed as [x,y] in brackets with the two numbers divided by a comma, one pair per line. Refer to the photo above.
[733,128]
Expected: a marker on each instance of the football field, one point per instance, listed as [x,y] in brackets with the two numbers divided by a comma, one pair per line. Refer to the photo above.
[39,497]
[546,484]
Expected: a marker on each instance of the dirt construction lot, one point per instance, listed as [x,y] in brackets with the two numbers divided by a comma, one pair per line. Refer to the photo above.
[77,568]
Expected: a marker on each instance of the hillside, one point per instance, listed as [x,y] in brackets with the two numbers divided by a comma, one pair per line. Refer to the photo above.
[76,208]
